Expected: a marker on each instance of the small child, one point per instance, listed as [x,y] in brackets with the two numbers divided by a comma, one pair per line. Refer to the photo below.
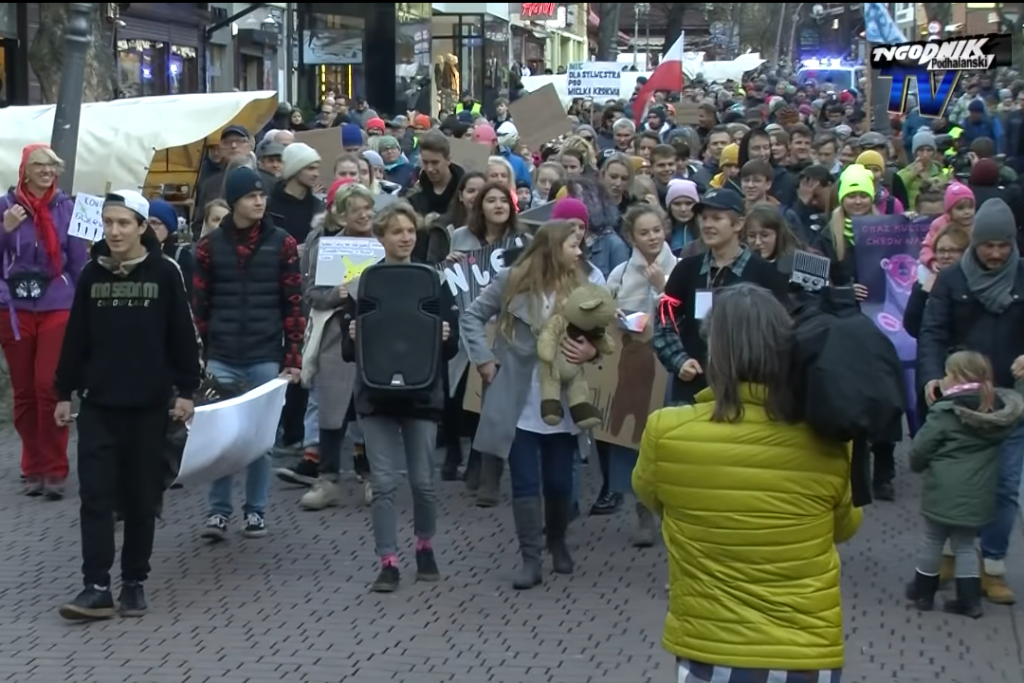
[957,449]
[958,205]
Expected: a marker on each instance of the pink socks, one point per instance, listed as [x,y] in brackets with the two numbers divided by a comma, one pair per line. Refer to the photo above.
[389,561]
[423,544]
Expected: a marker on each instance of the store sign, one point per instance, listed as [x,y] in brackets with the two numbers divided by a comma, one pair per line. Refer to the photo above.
[539,11]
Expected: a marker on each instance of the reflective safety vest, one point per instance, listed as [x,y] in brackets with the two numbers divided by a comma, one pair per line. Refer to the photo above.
[954,133]
[475,109]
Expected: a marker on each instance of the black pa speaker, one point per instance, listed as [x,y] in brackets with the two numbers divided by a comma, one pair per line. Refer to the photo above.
[398,346]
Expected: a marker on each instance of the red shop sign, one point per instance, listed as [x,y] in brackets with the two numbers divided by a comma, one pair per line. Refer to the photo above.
[539,10]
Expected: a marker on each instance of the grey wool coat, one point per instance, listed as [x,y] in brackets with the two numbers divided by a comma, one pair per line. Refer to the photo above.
[334,378]
[504,399]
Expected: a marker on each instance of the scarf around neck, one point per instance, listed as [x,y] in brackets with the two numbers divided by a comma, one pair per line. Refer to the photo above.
[993,288]
[38,208]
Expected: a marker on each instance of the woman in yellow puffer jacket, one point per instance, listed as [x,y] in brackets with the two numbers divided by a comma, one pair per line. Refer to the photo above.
[752,505]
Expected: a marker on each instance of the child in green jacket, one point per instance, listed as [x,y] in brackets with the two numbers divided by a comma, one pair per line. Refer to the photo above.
[958,452]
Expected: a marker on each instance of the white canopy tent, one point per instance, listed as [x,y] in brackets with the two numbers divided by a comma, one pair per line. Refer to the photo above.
[117,139]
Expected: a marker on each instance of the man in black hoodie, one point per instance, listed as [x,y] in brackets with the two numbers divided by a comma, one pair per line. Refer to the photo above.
[438,182]
[129,348]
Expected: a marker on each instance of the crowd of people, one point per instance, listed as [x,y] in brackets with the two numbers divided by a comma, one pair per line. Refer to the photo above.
[694,224]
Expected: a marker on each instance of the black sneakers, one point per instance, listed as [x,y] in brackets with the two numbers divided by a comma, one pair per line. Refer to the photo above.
[132,600]
[94,602]
[255,526]
[388,579]
[215,529]
[305,473]
[426,566]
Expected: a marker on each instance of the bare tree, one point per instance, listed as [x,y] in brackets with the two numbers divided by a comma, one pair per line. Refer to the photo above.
[608,31]
[47,53]
[674,23]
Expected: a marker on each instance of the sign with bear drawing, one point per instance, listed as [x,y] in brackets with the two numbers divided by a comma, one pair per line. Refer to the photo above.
[466,278]
[626,387]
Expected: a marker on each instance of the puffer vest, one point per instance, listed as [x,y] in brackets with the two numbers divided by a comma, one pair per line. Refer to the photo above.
[246,321]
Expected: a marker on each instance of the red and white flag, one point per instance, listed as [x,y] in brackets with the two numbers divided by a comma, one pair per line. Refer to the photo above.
[668,76]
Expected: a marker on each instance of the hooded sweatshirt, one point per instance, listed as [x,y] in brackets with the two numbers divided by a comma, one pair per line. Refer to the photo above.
[130,340]
[23,253]
[958,451]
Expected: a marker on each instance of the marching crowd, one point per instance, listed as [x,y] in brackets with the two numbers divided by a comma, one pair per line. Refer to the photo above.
[695,224]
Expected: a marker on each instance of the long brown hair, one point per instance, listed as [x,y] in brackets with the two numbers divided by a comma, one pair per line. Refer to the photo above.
[768,216]
[971,366]
[540,271]
[478,225]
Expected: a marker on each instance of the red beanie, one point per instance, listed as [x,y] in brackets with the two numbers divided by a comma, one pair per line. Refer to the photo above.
[335,186]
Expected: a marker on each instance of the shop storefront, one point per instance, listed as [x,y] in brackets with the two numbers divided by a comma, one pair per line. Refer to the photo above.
[470,53]
[528,45]
[157,50]
[413,85]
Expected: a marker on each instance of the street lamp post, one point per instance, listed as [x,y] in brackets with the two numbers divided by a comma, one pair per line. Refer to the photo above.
[639,9]
[68,112]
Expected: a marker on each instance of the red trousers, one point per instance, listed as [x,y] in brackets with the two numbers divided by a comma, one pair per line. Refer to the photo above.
[32,361]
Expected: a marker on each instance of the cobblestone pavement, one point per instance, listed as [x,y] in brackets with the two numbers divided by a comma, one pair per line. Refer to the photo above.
[295,606]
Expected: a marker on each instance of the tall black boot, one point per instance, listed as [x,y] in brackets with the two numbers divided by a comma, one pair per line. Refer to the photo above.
[607,503]
[472,473]
[921,591]
[491,469]
[452,458]
[528,518]
[556,521]
[968,598]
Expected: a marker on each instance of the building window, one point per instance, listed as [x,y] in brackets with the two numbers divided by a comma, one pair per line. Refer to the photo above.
[142,68]
[412,58]
[334,45]
[496,49]
[183,70]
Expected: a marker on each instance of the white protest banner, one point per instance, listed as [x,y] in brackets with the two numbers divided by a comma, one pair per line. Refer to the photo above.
[593,79]
[224,438]
[342,259]
[87,218]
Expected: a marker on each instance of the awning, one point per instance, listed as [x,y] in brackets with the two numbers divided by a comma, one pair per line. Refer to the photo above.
[125,141]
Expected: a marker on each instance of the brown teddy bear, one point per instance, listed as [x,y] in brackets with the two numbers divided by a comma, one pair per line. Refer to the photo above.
[587,311]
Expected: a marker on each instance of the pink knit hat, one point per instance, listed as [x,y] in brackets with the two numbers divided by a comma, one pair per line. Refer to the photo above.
[955,193]
[680,188]
[568,208]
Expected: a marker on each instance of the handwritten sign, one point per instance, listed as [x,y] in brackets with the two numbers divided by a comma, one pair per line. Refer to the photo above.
[468,277]
[593,79]
[342,259]
[87,218]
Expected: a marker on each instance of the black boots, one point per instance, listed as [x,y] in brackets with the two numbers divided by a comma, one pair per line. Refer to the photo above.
[968,598]
[556,521]
[921,591]
[529,520]
[488,494]
[471,475]
[452,458]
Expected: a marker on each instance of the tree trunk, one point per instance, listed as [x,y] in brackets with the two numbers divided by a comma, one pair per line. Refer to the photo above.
[673,25]
[46,55]
[608,31]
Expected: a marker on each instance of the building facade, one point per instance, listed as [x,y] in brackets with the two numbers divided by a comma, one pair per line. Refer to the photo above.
[247,50]
[548,36]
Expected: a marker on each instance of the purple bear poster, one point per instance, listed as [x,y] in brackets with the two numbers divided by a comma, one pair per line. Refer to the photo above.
[886,250]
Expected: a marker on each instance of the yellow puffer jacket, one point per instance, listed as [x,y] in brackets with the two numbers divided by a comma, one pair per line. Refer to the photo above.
[751,513]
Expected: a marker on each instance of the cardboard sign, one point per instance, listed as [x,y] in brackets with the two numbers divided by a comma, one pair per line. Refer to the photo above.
[471,156]
[533,218]
[540,117]
[626,387]
[342,259]
[327,143]
[687,113]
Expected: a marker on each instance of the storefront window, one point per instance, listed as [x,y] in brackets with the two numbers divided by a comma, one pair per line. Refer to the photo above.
[471,57]
[183,70]
[412,62]
[495,67]
[142,68]
[334,44]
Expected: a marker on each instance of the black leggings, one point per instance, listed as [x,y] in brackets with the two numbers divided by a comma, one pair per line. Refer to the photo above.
[456,421]
[331,443]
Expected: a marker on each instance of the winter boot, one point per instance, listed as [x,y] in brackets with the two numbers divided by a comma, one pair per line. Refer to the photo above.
[556,519]
[452,458]
[528,517]
[491,469]
[646,527]
[921,591]
[471,475]
[968,598]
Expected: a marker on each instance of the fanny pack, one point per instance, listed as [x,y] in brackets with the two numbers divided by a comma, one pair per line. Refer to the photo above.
[27,286]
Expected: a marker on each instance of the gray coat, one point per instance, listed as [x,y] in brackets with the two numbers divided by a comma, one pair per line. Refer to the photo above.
[335,377]
[503,400]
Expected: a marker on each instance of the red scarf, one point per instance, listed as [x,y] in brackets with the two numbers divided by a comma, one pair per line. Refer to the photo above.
[39,209]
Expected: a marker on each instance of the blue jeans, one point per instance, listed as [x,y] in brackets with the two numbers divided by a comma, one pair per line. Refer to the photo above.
[621,462]
[257,475]
[542,461]
[311,423]
[995,538]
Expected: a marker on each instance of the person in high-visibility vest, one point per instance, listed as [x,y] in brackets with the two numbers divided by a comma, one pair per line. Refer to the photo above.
[468,104]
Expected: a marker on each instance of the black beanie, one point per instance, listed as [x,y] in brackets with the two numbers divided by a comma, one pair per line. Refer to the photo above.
[240,182]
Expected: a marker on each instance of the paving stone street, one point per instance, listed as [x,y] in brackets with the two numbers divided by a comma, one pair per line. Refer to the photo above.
[295,606]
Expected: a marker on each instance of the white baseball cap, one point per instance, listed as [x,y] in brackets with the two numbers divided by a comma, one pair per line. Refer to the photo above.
[130,199]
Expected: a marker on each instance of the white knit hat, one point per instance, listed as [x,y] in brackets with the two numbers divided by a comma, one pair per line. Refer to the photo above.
[297,156]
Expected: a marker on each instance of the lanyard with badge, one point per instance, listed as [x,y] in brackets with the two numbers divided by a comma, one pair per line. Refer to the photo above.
[703,298]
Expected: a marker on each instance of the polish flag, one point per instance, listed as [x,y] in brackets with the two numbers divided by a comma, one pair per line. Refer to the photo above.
[668,76]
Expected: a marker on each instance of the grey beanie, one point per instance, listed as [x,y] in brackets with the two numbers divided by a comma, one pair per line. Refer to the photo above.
[923,138]
[994,222]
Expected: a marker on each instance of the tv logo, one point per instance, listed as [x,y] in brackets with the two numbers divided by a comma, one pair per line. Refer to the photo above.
[935,67]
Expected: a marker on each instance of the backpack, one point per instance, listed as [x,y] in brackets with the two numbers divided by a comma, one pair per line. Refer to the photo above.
[849,376]
[890,205]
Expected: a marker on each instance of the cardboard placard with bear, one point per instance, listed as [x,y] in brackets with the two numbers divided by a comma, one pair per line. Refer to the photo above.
[625,387]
